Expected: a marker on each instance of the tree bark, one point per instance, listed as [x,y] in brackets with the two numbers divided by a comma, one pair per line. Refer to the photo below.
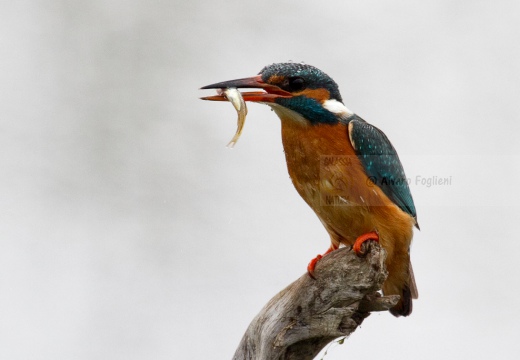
[308,314]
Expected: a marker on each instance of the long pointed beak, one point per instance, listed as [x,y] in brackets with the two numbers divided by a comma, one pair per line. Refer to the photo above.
[270,93]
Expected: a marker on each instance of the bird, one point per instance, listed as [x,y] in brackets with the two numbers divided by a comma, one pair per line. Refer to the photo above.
[344,168]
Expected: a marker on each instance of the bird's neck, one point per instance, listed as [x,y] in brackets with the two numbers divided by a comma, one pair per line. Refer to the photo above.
[309,108]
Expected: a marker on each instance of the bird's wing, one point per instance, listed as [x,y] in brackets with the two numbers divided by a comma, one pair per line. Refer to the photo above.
[381,163]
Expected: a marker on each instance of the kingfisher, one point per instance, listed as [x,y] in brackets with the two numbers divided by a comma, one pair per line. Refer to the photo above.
[344,168]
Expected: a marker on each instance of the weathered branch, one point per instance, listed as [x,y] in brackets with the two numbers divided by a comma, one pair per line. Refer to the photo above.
[304,317]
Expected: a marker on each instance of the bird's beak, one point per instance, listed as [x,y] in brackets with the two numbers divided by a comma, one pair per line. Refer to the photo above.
[269,95]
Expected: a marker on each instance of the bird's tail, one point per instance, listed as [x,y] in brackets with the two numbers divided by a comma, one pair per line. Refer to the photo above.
[407,292]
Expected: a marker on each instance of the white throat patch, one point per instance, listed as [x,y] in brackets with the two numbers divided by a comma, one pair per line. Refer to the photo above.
[335,107]
[287,114]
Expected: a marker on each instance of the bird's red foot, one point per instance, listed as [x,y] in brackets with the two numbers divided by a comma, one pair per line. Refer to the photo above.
[312,265]
[373,235]
[313,262]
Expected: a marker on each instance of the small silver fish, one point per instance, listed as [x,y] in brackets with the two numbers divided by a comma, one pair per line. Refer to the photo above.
[235,97]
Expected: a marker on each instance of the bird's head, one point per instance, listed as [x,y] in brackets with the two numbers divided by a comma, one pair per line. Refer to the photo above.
[294,90]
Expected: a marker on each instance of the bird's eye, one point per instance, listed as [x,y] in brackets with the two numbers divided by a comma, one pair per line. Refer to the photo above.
[296,83]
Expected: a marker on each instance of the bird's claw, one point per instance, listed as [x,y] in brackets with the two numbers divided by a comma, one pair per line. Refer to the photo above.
[313,262]
[358,245]
[312,265]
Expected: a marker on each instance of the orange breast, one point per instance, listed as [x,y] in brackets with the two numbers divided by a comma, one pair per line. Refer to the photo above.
[330,178]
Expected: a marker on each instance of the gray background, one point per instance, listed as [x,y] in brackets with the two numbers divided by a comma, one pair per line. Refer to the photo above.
[129,231]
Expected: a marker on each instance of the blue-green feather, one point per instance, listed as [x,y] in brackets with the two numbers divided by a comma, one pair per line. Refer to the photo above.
[310,109]
[381,163]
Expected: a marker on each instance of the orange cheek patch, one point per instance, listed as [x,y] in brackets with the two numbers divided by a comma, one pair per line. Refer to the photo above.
[318,94]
